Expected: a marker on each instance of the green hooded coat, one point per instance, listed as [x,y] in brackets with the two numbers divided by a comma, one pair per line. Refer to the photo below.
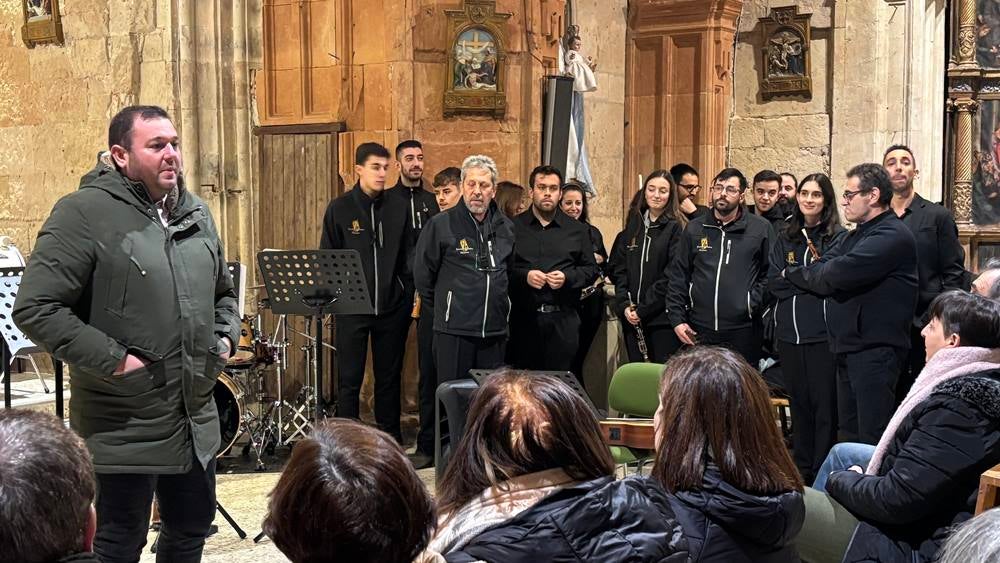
[105,279]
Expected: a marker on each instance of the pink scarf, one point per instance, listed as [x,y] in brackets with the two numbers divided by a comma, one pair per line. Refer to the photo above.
[945,364]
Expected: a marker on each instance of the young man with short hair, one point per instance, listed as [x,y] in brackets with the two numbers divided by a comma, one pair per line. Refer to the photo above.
[364,219]
[766,187]
[686,178]
[447,187]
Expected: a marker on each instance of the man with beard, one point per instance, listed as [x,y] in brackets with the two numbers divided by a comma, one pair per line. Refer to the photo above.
[940,257]
[421,205]
[786,193]
[718,279]
[461,271]
[766,185]
[871,282]
[553,261]
[686,178]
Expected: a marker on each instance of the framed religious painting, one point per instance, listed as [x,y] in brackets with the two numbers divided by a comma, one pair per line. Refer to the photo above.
[477,55]
[786,68]
[42,22]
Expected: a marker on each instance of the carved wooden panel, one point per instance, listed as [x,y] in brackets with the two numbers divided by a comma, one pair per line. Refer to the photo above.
[306,52]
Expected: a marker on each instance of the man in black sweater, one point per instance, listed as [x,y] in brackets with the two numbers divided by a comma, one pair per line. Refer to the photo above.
[553,261]
[462,265]
[766,198]
[871,282]
[940,257]
[718,277]
[364,219]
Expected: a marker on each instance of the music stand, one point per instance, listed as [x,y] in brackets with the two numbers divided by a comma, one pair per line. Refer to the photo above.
[15,343]
[315,283]
[238,272]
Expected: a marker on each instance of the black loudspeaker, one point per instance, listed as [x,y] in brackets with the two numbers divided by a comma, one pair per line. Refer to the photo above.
[557,105]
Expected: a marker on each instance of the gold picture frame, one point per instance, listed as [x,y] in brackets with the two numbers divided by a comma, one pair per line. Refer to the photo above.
[42,22]
[477,53]
[787,62]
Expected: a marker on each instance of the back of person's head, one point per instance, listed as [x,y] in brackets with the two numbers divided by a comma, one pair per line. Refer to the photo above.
[349,493]
[714,406]
[510,197]
[521,423]
[977,540]
[450,175]
[870,176]
[975,319]
[46,489]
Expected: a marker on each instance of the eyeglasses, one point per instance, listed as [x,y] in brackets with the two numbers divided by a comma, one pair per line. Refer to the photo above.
[849,195]
[690,187]
[730,190]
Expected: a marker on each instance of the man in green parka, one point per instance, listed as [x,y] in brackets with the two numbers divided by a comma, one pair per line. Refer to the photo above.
[128,285]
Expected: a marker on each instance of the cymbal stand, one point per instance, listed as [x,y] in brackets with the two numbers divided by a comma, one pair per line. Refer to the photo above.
[302,412]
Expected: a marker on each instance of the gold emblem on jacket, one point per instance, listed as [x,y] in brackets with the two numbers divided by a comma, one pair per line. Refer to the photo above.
[355,227]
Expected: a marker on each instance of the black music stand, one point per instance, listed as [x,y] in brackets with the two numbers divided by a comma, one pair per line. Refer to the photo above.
[315,283]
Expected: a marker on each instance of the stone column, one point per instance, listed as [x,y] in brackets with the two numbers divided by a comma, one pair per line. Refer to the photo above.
[967,34]
[962,199]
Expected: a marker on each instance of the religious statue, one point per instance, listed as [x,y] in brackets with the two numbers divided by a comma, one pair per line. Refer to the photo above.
[785,54]
[576,64]
[785,51]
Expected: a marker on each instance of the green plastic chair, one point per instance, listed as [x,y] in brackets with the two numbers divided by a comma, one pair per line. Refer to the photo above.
[634,393]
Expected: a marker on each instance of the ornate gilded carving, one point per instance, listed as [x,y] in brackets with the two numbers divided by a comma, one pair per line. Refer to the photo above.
[786,64]
[962,195]
[477,53]
[42,22]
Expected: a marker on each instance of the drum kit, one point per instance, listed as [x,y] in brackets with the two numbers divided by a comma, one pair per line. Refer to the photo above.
[246,407]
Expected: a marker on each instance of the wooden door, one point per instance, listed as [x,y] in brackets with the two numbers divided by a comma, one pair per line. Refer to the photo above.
[298,178]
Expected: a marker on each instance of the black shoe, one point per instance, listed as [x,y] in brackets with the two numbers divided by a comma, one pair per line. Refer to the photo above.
[420,460]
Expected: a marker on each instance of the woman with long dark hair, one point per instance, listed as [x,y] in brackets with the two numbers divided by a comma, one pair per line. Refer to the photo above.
[808,366]
[722,460]
[591,308]
[531,480]
[638,267]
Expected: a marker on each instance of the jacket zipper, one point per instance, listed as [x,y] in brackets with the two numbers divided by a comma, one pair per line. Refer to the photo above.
[795,318]
[718,276]
[447,311]
[486,303]
[375,237]
[643,256]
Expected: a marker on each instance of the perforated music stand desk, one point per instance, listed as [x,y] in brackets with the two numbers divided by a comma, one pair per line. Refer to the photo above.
[314,283]
[14,341]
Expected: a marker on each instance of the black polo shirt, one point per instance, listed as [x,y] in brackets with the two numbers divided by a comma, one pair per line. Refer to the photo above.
[940,257]
[564,244]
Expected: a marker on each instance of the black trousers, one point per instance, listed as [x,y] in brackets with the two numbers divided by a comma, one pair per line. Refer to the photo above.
[591,313]
[866,392]
[187,508]
[456,355]
[810,378]
[428,382]
[744,341]
[388,335]
[915,361]
[661,342]
[545,341]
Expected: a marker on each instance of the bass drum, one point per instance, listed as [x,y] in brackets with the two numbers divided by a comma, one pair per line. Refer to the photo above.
[229,402]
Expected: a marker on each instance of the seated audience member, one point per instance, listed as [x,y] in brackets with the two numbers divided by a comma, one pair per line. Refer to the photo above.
[923,476]
[976,540]
[510,199]
[348,493]
[987,283]
[722,460]
[531,480]
[46,491]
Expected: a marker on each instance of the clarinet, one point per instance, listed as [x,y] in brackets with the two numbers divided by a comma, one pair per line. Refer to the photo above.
[812,247]
[639,335]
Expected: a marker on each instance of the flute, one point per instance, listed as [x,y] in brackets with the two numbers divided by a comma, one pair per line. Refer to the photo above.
[639,335]
[812,247]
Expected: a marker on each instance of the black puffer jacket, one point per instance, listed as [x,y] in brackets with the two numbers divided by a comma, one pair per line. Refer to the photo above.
[929,478]
[726,525]
[601,520]
[639,261]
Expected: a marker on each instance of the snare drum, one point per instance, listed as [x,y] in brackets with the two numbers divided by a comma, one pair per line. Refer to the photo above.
[229,402]
[245,355]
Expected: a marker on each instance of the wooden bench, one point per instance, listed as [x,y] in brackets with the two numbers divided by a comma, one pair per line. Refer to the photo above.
[989,482]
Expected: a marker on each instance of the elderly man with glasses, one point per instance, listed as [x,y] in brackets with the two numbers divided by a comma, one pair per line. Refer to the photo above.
[870,281]
[461,268]
[718,278]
